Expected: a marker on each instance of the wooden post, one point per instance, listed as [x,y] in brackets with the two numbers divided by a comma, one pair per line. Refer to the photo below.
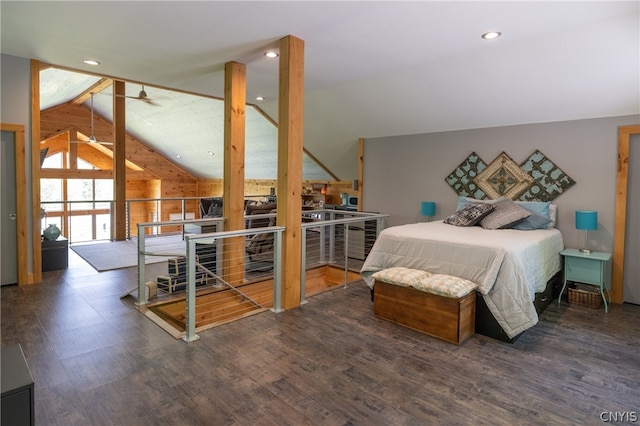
[235,99]
[119,166]
[360,172]
[290,148]
[36,235]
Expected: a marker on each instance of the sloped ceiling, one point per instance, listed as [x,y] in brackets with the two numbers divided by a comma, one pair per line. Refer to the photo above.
[371,68]
[186,129]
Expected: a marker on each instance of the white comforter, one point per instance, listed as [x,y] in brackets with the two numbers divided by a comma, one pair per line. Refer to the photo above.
[508,265]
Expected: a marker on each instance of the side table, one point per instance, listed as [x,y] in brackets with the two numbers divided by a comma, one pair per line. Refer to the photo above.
[586,268]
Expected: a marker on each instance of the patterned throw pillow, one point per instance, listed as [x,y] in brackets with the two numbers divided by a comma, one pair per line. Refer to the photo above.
[469,215]
[446,285]
[505,214]
[399,275]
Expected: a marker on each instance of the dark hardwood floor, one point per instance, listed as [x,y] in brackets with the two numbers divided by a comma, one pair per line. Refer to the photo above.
[97,361]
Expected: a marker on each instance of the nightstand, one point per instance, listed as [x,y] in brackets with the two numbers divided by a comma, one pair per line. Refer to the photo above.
[586,268]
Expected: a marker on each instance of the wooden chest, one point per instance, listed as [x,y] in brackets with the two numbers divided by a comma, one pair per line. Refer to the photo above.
[447,318]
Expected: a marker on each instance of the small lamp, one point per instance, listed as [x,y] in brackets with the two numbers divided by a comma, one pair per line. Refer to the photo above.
[428,208]
[586,220]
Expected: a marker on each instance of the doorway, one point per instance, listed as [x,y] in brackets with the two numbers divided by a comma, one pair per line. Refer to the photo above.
[631,282]
[8,224]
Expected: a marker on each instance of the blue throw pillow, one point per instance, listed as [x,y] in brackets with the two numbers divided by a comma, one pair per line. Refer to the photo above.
[535,221]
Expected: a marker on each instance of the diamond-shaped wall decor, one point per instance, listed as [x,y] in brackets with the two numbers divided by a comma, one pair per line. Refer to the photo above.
[503,178]
[461,179]
[549,180]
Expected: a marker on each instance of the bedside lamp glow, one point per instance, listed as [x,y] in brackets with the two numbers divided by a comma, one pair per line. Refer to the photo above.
[428,208]
[586,220]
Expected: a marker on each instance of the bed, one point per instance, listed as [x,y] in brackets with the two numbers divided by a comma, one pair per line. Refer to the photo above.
[510,266]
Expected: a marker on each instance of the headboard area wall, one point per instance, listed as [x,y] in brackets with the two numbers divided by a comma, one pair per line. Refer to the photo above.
[572,163]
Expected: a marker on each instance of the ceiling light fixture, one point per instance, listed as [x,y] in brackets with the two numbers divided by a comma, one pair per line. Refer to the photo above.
[260,98]
[91,62]
[210,153]
[490,35]
[178,156]
[271,54]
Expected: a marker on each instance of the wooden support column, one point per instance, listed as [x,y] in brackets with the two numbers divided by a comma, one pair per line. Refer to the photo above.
[36,236]
[290,148]
[119,166]
[235,99]
[360,172]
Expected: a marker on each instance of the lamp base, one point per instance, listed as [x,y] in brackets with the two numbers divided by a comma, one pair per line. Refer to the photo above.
[585,251]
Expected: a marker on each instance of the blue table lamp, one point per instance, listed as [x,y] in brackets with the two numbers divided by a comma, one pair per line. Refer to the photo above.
[428,208]
[586,220]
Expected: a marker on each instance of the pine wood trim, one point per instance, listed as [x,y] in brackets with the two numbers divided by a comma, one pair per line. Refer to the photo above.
[619,237]
[36,239]
[235,99]
[290,143]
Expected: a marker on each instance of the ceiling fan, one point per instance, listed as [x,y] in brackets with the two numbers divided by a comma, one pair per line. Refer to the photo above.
[142,96]
[92,138]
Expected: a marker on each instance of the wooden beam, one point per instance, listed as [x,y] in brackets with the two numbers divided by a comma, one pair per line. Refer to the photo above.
[96,88]
[235,99]
[290,148]
[619,237]
[119,167]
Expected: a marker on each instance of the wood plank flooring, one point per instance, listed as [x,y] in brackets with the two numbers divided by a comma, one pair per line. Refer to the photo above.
[97,361]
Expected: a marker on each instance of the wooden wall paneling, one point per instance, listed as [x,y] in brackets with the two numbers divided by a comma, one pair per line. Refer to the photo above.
[36,242]
[235,99]
[290,146]
[620,228]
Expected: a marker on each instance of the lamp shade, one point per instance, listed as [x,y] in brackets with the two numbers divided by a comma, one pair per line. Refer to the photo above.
[428,208]
[587,220]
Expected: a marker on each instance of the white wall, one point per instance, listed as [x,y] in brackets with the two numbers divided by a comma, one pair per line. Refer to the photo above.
[15,108]
[402,171]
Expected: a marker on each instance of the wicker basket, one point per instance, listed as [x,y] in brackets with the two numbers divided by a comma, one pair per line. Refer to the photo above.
[592,299]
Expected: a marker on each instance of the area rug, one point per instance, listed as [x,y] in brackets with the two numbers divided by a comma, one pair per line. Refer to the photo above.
[111,255]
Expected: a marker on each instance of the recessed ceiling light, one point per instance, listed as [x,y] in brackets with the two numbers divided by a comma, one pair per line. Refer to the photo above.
[91,62]
[491,35]
[271,54]
[260,98]
[178,156]
[210,153]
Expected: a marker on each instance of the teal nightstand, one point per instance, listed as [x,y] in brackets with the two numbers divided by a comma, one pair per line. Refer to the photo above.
[586,268]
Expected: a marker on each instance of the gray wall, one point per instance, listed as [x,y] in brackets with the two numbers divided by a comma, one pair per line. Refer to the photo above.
[401,171]
[15,108]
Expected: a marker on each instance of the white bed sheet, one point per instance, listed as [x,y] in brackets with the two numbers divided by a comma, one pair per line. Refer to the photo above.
[508,265]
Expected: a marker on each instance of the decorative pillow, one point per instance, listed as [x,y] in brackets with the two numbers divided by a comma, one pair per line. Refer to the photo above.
[401,276]
[505,214]
[535,221]
[553,215]
[469,215]
[446,285]
[463,201]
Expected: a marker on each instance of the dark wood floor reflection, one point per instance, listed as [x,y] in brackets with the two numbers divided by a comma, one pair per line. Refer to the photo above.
[97,361]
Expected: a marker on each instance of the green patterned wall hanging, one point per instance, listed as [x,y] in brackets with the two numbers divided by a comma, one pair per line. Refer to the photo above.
[549,179]
[462,178]
[536,179]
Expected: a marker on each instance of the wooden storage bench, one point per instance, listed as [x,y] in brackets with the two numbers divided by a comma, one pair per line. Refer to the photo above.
[447,318]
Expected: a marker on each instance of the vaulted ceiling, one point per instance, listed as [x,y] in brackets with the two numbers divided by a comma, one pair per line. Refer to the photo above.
[371,68]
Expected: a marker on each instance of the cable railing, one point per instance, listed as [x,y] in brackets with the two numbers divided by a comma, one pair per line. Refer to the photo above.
[207,279]
[82,221]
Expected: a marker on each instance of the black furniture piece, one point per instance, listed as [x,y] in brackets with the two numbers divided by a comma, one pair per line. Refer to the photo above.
[55,254]
[17,388]
[176,278]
